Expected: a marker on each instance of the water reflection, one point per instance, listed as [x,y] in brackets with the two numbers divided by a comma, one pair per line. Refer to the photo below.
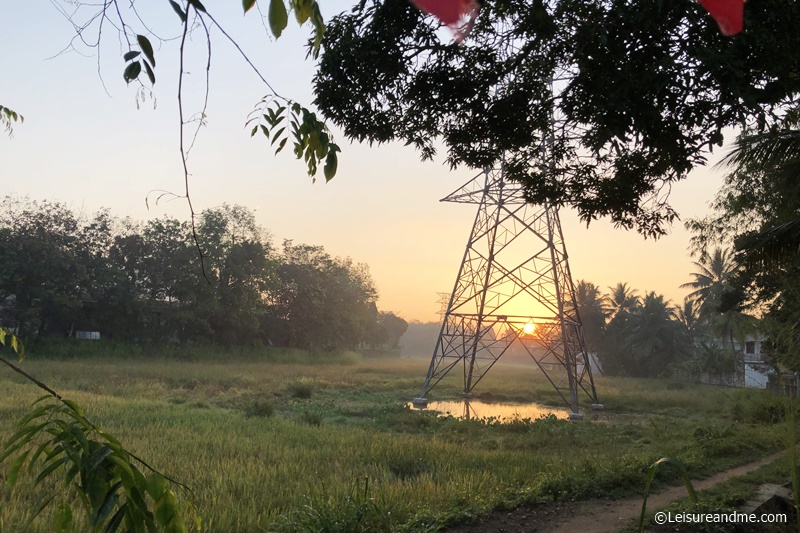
[506,412]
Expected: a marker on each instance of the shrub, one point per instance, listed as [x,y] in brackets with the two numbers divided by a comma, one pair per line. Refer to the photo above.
[300,389]
[259,408]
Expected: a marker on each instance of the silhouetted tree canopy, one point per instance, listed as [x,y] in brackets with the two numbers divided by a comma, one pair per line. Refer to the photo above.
[639,91]
[758,209]
[143,282]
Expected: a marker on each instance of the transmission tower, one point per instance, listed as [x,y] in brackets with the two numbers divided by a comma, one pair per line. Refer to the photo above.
[514,287]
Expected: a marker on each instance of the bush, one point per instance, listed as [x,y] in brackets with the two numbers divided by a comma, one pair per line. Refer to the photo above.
[300,389]
[259,408]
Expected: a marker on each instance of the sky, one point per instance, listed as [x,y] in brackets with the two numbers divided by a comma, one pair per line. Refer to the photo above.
[90,141]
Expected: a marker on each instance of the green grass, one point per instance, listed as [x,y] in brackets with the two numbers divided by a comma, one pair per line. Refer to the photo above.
[273,444]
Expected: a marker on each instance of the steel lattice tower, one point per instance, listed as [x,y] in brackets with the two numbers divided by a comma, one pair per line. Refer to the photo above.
[514,287]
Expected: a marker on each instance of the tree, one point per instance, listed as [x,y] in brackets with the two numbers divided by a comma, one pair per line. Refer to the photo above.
[644,337]
[592,312]
[695,327]
[112,302]
[321,302]
[144,282]
[711,280]
[653,339]
[777,152]
[620,301]
[642,92]
[757,209]
[388,330]
[40,271]
[240,271]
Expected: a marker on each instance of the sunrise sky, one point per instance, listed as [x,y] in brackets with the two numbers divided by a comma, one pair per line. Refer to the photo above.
[92,149]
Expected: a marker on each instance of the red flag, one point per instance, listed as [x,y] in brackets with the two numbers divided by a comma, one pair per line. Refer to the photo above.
[727,13]
[458,15]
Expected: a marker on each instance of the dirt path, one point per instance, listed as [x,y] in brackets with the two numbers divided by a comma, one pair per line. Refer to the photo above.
[596,516]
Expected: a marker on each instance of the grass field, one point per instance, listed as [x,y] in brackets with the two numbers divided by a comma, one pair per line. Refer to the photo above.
[274,445]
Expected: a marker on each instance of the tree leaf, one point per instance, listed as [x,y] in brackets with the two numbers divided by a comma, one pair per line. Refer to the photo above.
[156,486]
[197,5]
[41,449]
[181,13]
[277,134]
[98,456]
[123,465]
[150,73]
[74,406]
[132,71]
[147,48]
[62,519]
[248,5]
[49,470]
[116,520]
[166,508]
[278,17]
[331,164]
[131,55]
[24,436]
[109,502]
[302,9]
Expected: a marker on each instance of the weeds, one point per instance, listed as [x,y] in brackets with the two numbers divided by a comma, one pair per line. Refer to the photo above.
[300,389]
[356,512]
[311,416]
[651,474]
[260,408]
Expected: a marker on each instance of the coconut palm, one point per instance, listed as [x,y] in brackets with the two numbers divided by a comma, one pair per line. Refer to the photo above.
[714,273]
[591,311]
[694,325]
[776,153]
[773,246]
[732,326]
[653,337]
[620,300]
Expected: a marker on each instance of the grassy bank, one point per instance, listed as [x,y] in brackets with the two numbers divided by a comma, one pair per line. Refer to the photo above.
[294,440]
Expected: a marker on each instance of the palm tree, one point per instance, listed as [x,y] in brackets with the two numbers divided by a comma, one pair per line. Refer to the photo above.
[694,325]
[620,300]
[774,246]
[778,153]
[653,337]
[592,313]
[714,273]
[732,326]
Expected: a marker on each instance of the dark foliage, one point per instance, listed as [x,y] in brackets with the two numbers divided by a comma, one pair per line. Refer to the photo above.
[642,91]
[144,283]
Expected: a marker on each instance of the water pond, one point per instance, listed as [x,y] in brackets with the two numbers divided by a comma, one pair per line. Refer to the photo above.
[505,412]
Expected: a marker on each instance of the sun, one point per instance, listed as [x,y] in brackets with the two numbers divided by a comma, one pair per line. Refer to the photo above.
[528,328]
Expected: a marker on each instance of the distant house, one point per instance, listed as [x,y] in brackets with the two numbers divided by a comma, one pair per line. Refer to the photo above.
[753,366]
[756,362]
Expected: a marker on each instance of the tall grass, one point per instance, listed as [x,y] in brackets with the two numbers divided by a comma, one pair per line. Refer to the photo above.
[274,444]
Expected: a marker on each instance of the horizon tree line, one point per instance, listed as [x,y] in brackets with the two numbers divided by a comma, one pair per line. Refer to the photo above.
[145,282]
[648,336]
